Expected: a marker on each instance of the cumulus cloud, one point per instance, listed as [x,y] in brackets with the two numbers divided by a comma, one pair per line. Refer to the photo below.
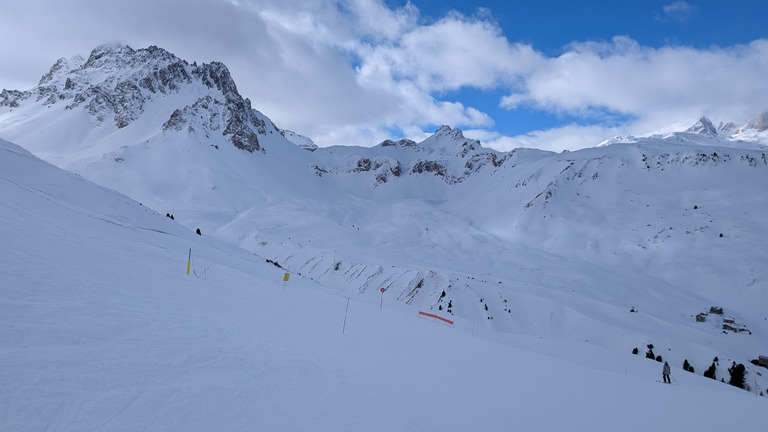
[568,137]
[360,71]
[449,54]
[676,11]
[399,67]
[597,79]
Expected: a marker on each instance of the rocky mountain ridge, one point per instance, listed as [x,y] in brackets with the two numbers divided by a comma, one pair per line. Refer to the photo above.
[447,155]
[116,83]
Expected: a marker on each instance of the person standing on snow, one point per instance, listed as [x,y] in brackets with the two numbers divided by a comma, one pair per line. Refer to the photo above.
[665,373]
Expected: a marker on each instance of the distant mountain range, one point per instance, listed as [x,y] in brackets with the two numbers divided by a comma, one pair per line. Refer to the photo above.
[635,236]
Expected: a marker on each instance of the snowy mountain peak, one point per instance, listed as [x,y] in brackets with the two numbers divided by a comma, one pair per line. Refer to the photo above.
[445,131]
[450,141]
[216,75]
[760,123]
[704,126]
[754,131]
[108,53]
[751,135]
[726,128]
[118,86]
[61,67]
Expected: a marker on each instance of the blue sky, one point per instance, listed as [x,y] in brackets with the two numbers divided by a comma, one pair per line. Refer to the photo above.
[551,25]
[547,74]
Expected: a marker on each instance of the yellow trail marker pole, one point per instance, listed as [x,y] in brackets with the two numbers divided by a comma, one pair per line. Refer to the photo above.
[189,260]
[286,276]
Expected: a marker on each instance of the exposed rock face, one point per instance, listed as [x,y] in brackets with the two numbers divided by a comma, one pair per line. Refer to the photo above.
[760,123]
[399,143]
[11,98]
[428,167]
[704,126]
[117,83]
[446,155]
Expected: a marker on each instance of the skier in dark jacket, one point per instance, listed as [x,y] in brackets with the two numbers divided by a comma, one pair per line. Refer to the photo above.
[665,373]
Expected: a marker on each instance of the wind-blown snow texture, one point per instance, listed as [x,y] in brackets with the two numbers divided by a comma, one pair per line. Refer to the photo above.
[525,245]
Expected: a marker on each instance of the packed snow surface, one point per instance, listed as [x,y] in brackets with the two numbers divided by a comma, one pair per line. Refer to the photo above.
[102,329]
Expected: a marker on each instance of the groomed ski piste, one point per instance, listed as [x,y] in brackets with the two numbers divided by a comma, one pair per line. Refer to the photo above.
[101,328]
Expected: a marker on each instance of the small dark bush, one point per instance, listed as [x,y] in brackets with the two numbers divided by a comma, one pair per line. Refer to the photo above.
[737,375]
[710,372]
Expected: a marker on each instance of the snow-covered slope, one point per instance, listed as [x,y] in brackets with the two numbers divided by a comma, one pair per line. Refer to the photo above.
[102,329]
[527,242]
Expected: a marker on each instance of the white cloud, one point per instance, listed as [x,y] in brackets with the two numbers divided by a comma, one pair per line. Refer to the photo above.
[568,137]
[449,54]
[389,72]
[646,83]
[677,11]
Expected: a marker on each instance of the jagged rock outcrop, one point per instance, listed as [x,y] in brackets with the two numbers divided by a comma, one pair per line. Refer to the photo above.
[454,157]
[116,83]
[399,143]
[428,167]
[447,155]
[11,98]
[704,126]
[760,123]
